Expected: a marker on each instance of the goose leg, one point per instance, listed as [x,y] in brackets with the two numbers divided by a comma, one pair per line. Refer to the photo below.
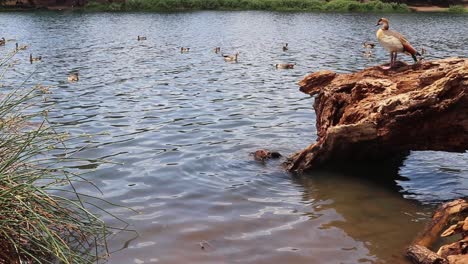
[395,58]
[391,62]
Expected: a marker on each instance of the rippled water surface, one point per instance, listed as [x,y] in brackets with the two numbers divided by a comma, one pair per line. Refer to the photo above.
[179,128]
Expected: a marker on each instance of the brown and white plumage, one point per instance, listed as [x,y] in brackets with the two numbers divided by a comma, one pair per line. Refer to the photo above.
[33,59]
[368,45]
[231,57]
[394,42]
[285,65]
[22,47]
[73,77]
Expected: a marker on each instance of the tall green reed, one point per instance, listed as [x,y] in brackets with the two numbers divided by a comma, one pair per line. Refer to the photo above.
[43,218]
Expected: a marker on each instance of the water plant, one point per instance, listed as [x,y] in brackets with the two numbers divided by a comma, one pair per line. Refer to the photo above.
[43,218]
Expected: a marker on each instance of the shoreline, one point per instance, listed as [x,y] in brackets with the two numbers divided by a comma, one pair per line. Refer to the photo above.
[342,6]
[434,9]
[411,9]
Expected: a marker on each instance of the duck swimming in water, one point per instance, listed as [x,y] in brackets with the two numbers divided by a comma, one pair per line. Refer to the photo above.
[73,77]
[141,38]
[231,57]
[368,45]
[34,59]
[22,47]
[285,65]
[263,154]
[394,42]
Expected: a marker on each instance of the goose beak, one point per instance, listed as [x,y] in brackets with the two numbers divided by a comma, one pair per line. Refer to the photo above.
[377,24]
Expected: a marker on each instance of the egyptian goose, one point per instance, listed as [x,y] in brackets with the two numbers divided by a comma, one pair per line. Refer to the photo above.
[141,38]
[285,47]
[368,45]
[231,57]
[394,42]
[73,77]
[184,50]
[2,41]
[33,59]
[284,65]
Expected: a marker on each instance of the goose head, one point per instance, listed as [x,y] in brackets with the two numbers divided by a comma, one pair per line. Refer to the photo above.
[383,22]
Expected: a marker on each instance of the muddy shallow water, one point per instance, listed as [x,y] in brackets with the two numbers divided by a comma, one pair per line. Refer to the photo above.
[180,127]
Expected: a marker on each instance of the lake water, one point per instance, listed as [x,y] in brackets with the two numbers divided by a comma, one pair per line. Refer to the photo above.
[179,129]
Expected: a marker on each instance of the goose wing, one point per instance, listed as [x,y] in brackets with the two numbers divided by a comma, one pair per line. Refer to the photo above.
[406,45]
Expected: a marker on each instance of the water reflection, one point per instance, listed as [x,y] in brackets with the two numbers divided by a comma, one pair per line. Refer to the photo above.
[372,211]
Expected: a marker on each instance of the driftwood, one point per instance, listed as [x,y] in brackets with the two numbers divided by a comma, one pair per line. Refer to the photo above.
[453,253]
[376,115]
[422,255]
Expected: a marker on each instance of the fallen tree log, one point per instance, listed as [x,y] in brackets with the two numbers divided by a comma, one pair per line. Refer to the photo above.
[453,253]
[422,255]
[377,115]
[440,220]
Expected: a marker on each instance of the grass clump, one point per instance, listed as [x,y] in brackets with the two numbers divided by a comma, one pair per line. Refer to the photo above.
[457,9]
[43,219]
[271,5]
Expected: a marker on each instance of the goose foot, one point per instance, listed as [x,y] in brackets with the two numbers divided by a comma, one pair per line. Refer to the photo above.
[386,67]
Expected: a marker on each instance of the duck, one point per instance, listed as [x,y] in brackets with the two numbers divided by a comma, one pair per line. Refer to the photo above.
[263,154]
[285,65]
[217,50]
[2,42]
[394,42]
[285,47]
[139,38]
[184,50]
[73,77]
[231,57]
[368,45]
[33,59]
[22,47]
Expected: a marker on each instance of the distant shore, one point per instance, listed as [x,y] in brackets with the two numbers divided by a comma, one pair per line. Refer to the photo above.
[452,9]
[235,5]
[376,6]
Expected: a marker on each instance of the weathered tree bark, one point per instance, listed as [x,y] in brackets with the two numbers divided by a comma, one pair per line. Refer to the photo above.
[458,259]
[378,115]
[419,253]
[422,255]
[440,219]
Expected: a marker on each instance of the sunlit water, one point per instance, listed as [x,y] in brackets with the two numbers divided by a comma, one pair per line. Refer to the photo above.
[179,128]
